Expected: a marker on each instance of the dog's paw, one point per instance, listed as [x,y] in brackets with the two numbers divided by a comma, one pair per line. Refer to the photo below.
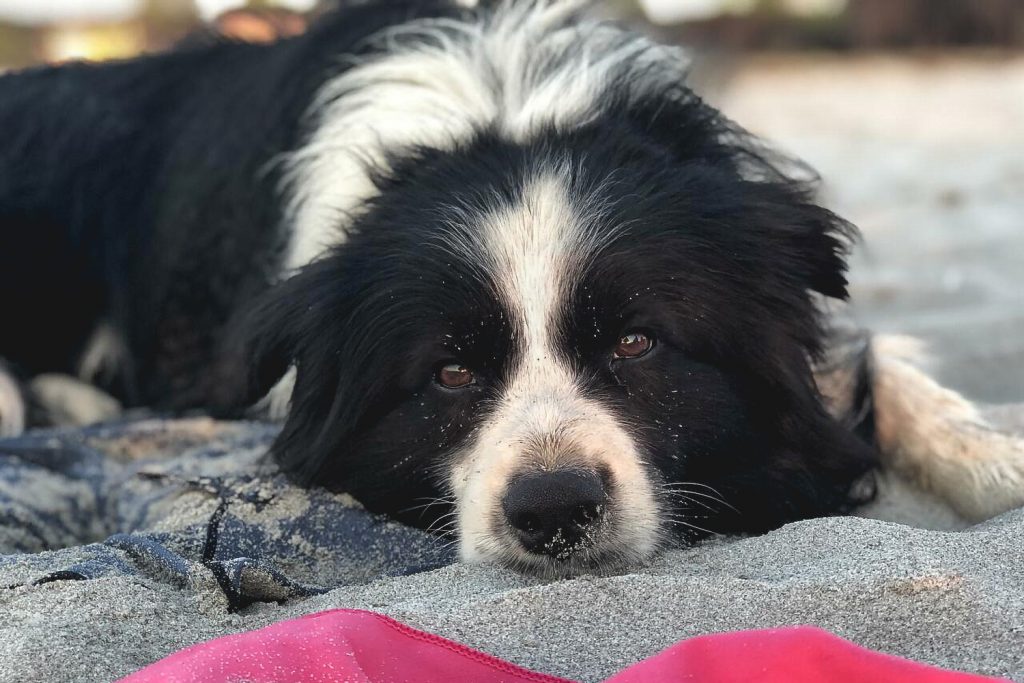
[13,411]
[68,402]
[940,441]
[993,472]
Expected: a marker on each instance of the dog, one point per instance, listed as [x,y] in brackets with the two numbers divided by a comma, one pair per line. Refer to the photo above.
[500,272]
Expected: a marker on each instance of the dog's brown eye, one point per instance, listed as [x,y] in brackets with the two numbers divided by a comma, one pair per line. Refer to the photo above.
[633,345]
[454,376]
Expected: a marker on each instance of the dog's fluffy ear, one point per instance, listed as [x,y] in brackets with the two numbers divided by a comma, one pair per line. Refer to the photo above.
[308,322]
[812,241]
[794,247]
[818,466]
[298,323]
[808,244]
[259,345]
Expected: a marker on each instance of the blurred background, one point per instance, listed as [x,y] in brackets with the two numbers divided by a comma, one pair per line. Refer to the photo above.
[911,110]
[33,31]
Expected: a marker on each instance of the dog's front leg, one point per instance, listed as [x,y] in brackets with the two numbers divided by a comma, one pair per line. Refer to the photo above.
[937,439]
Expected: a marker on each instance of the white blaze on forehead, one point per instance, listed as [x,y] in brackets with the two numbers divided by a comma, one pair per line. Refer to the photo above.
[531,248]
[544,419]
[438,81]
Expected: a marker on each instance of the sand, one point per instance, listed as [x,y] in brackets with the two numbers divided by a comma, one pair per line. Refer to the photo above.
[947,598]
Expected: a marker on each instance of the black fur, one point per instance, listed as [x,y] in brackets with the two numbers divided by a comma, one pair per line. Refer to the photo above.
[143,192]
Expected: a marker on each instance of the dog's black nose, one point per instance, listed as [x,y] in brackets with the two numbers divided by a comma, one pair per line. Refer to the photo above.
[555,513]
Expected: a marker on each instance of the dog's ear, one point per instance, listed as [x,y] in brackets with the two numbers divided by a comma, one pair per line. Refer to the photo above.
[810,242]
[815,465]
[261,343]
[778,191]
[306,323]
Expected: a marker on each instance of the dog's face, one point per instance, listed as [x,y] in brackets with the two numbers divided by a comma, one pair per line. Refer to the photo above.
[569,352]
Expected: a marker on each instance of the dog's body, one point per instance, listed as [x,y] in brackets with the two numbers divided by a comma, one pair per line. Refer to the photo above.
[501,260]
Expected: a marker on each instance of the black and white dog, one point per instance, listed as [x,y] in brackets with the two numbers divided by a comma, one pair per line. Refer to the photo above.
[499,259]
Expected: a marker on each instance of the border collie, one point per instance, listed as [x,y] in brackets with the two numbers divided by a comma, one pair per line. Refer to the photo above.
[500,271]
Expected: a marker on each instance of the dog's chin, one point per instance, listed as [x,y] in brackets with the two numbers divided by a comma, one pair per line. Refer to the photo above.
[601,560]
[595,563]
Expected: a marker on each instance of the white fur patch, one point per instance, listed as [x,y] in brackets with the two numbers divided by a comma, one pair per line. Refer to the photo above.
[544,420]
[439,81]
[104,354]
[276,403]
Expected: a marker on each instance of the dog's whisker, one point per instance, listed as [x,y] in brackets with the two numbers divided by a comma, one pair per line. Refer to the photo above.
[444,524]
[687,499]
[688,484]
[685,522]
[687,494]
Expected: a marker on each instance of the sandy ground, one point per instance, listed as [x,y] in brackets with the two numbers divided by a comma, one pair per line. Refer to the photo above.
[926,156]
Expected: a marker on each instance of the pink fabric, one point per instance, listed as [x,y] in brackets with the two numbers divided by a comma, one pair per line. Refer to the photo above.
[784,655]
[328,647]
[364,647]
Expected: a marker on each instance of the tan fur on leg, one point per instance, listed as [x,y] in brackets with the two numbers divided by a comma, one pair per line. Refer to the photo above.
[937,439]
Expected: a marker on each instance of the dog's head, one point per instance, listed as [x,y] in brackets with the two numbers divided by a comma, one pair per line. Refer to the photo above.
[570,351]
